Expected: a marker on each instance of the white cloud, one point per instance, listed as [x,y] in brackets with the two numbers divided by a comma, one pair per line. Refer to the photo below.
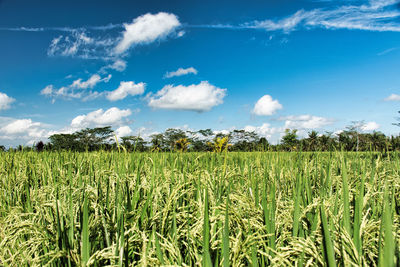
[118,65]
[20,126]
[377,15]
[144,29]
[78,44]
[265,130]
[77,89]
[147,29]
[266,106]
[123,131]
[48,90]
[304,122]
[180,72]
[387,51]
[181,33]
[224,132]
[91,82]
[370,126]
[5,101]
[125,89]
[91,95]
[196,97]
[20,131]
[110,117]
[393,97]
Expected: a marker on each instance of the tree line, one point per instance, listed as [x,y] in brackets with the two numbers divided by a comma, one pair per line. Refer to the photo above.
[104,138]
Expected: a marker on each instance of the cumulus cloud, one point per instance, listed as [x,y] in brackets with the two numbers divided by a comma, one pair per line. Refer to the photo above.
[370,126]
[147,29]
[196,97]
[266,106]
[20,126]
[304,122]
[265,130]
[180,72]
[98,118]
[123,131]
[5,101]
[125,89]
[17,131]
[393,97]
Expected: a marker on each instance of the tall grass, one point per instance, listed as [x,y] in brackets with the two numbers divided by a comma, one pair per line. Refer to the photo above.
[199,209]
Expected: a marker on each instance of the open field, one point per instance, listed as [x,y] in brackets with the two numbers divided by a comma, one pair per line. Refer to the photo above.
[199,209]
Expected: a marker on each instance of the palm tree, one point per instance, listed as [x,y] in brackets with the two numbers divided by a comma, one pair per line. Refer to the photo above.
[377,140]
[312,140]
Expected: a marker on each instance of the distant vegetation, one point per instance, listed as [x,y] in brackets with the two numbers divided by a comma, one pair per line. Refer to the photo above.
[94,139]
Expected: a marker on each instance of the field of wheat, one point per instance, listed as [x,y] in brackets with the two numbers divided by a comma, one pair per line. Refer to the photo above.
[199,209]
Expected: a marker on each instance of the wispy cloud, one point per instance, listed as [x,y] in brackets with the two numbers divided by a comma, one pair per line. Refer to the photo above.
[79,44]
[112,41]
[180,72]
[83,43]
[77,89]
[387,51]
[63,29]
[376,15]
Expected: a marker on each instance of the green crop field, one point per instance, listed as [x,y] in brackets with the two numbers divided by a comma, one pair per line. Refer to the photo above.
[199,209]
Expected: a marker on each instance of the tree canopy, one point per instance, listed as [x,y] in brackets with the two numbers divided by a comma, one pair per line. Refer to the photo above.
[103,138]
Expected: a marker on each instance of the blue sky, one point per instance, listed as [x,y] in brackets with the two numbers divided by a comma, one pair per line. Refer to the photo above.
[144,66]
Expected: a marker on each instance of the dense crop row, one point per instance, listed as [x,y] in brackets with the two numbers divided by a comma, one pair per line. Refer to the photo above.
[210,209]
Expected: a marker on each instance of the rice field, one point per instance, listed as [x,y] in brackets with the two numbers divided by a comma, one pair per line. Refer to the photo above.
[199,209]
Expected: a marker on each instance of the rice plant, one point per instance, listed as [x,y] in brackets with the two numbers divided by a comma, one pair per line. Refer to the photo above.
[199,209]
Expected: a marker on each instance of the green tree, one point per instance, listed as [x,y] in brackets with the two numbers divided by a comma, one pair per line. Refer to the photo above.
[326,142]
[86,139]
[94,138]
[312,141]
[289,140]
[263,144]
[182,144]
[220,144]
[377,141]
[158,142]
[200,138]
[64,142]
[39,146]
[243,140]
[172,135]
[134,143]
